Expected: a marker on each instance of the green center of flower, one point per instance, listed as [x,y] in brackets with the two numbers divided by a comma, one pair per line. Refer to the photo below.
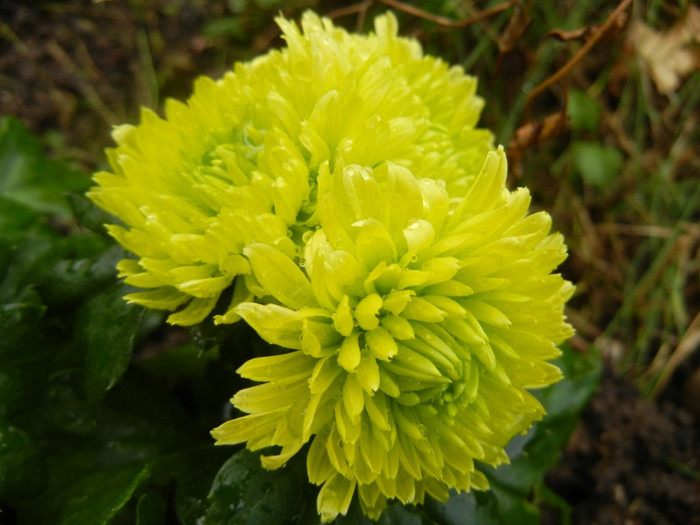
[400,328]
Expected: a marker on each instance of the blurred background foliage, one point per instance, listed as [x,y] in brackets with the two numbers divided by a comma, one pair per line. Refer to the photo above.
[597,103]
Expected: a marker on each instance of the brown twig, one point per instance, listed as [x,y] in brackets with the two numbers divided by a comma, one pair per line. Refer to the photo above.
[448,22]
[359,8]
[597,35]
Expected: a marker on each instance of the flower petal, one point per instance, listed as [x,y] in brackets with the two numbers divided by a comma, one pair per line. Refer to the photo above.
[280,276]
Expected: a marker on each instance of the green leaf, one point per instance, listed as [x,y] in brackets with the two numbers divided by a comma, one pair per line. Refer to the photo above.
[22,260]
[94,497]
[193,470]
[20,325]
[88,213]
[107,327]
[22,383]
[151,509]
[24,354]
[599,165]
[98,461]
[503,506]
[459,507]
[28,178]
[21,466]
[546,496]
[582,111]
[569,396]
[71,279]
[15,218]
[244,492]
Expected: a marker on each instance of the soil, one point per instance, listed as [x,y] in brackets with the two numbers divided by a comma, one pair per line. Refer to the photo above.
[629,462]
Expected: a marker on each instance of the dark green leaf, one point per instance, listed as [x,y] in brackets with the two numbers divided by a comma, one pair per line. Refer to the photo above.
[27,177]
[21,466]
[88,213]
[22,260]
[546,496]
[569,396]
[20,326]
[244,492]
[97,460]
[536,452]
[22,384]
[502,506]
[151,509]
[194,470]
[107,327]
[460,507]
[71,279]
[85,496]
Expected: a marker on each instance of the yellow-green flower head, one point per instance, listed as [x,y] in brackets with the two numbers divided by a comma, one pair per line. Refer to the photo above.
[238,163]
[417,321]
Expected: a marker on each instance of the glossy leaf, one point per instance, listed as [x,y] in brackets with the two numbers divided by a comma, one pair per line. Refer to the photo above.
[244,492]
[107,327]
[98,461]
[72,279]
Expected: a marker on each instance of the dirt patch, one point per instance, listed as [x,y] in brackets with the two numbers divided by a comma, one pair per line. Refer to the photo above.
[80,67]
[631,461]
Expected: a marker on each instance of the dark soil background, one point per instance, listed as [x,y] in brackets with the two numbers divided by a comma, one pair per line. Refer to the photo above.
[628,461]
[70,70]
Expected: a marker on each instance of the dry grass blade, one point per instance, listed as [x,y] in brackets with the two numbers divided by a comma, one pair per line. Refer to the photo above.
[689,343]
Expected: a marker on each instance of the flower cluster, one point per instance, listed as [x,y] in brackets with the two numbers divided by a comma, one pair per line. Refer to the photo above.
[341,188]
[239,163]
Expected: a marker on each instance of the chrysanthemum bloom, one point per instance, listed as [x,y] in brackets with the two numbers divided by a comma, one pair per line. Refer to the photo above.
[417,320]
[238,163]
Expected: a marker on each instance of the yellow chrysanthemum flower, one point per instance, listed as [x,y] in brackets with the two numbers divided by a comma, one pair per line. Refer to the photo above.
[418,319]
[238,163]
